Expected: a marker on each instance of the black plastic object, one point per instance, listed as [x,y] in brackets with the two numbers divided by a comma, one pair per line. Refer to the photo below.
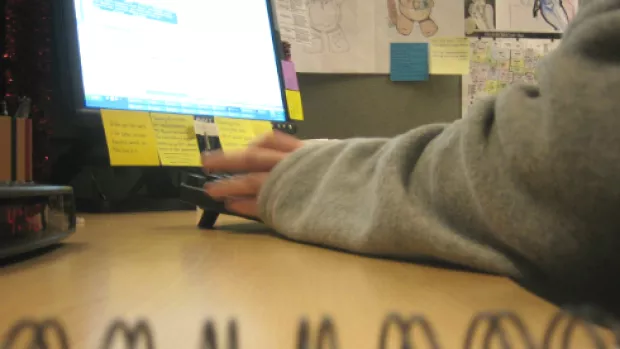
[192,191]
[34,216]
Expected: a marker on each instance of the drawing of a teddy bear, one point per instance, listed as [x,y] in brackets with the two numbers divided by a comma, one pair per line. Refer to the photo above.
[325,17]
[406,13]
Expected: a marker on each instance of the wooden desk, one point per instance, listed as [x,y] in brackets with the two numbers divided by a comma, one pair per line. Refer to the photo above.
[161,267]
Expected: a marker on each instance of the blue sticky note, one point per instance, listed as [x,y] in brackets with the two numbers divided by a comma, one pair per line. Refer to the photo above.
[409,62]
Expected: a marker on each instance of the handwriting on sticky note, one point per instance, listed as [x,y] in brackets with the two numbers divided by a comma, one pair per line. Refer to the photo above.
[130,138]
[237,134]
[176,140]
[517,62]
[449,56]
[491,87]
[261,127]
[295,106]
[409,62]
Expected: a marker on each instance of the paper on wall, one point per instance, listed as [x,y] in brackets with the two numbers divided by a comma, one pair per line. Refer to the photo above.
[449,56]
[479,15]
[496,64]
[354,36]
[293,21]
[409,62]
[541,16]
[397,23]
[342,38]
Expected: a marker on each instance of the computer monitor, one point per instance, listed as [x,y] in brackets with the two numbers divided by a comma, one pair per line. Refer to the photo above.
[195,57]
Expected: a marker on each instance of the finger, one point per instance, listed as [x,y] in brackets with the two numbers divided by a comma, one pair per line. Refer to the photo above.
[244,206]
[242,185]
[278,141]
[249,160]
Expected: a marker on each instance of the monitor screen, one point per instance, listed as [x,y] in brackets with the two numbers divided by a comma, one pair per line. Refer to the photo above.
[197,57]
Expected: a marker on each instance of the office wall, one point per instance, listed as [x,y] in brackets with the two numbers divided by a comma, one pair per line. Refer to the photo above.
[344,106]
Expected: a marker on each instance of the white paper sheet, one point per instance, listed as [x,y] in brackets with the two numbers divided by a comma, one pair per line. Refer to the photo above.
[496,64]
[354,36]
[293,21]
[342,32]
[479,15]
[551,15]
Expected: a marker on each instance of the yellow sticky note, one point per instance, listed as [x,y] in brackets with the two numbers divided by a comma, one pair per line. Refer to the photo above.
[260,127]
[234,134]
[517,66]
[449,56]
[237,134]
[480,57]
[491,87]
[176,140]
[130,138]
[295,107]
[517,61]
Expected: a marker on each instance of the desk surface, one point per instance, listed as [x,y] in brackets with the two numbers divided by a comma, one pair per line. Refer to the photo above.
[161,267]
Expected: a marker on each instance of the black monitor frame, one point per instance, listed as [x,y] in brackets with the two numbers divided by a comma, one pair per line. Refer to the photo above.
[70,94]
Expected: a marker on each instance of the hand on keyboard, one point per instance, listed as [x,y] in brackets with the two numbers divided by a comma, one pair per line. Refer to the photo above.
[239,192]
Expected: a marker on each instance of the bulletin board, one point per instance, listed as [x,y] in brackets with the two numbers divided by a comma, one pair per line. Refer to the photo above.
[499,59]
[342,56]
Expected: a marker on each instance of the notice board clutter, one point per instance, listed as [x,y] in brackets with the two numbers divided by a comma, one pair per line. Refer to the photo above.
[356,36]
[411,41]
[499,59]
[487,61]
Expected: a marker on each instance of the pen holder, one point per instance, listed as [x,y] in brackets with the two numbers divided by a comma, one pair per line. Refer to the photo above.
[15,149]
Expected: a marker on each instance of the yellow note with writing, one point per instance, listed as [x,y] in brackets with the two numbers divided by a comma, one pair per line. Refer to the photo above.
[234,134]
[130,138]
[491,87]
[449,56]
[260,127]
[295,107]
[176,140]
[237,134]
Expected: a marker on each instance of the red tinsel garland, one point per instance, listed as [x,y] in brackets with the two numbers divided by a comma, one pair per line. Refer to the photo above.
[27,69]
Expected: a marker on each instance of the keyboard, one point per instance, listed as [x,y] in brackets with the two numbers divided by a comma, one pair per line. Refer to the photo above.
[192,191]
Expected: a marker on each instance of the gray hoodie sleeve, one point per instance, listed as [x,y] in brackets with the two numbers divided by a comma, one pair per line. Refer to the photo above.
[528,182]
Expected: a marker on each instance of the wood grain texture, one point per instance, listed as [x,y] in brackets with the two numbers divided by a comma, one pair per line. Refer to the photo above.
[161,267]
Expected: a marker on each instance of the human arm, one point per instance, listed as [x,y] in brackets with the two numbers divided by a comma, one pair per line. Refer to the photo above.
[524,183]
[527,184]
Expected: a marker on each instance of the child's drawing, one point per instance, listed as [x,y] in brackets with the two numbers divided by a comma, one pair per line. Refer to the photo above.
[556,13]
[479,15]
[538,16]
[405,13]
[553,12]
[325,20]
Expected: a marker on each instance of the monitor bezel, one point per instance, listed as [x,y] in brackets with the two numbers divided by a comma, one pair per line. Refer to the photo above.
[75,99]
